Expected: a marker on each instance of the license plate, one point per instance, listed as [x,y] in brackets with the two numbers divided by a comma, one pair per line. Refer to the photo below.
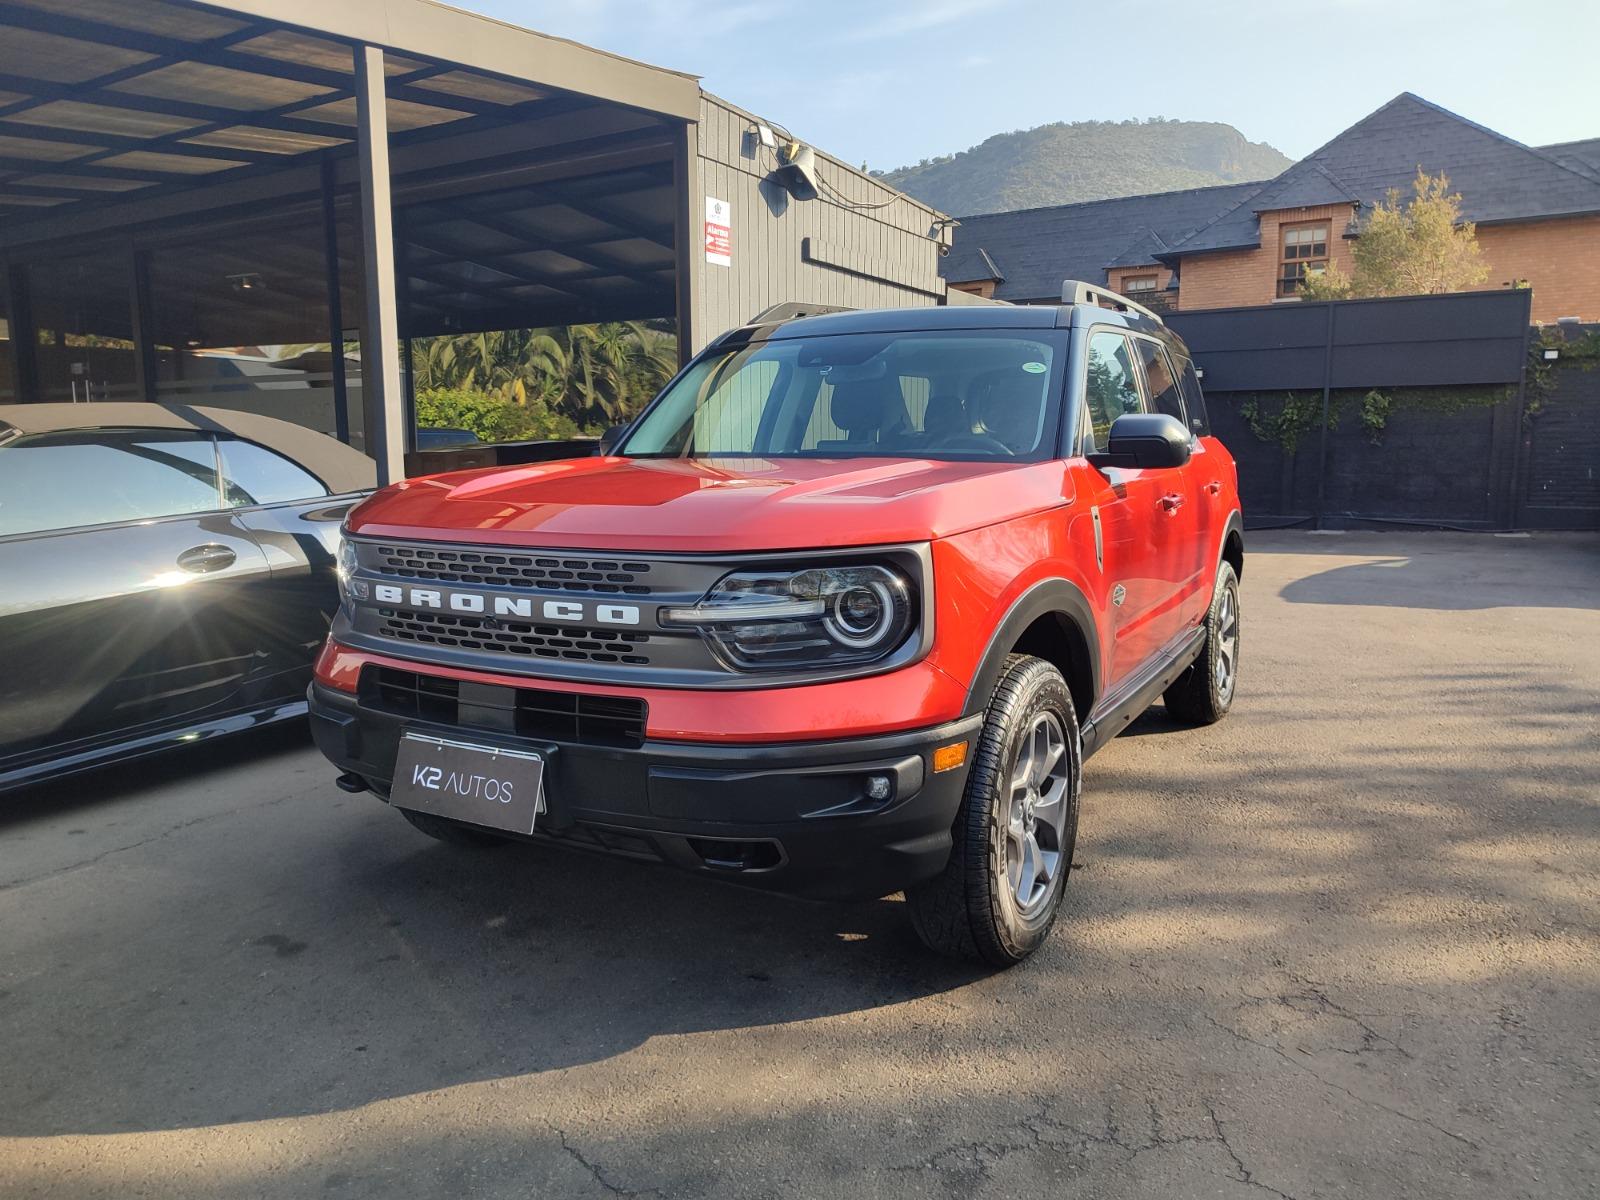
[483,785]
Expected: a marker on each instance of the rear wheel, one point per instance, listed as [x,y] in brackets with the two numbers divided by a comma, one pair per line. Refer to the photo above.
[1018,825]
[1203,694]
[456,833]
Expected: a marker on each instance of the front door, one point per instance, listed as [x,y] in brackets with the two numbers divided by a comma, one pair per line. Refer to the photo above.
[121,587]
[1142,551]
[1187,504]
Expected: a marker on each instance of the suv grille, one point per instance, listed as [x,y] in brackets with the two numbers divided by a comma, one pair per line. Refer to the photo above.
[528,712]
[601,575]
[517,637]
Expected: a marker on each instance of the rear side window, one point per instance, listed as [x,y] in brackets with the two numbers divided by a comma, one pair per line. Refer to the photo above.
[1193,399]
[1112,387]
[252,474]
[63,480]
[1160,379]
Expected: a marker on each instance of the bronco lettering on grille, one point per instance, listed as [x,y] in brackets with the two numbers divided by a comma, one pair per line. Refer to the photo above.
[566,611]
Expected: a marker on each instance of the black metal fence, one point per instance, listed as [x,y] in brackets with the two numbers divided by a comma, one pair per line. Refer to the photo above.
[1416,411]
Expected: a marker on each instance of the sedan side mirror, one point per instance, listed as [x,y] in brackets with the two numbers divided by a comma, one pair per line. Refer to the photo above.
[610,438]
[1151,440]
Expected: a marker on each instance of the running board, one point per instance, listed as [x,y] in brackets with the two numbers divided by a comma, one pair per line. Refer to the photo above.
[1117,711]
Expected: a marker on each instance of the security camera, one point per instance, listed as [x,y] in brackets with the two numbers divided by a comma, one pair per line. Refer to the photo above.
[944,251]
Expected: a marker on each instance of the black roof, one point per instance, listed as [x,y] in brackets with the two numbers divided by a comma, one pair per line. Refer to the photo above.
[934,318]
[1499,179]
[1032,250]
[898,320]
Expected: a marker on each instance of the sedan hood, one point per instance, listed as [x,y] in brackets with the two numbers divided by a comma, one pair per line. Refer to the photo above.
[709,505]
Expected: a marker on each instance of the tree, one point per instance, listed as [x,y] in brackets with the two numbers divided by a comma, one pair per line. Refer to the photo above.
[539,382]
[1408,249]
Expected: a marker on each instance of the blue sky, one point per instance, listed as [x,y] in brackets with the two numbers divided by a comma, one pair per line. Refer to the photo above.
[889,82]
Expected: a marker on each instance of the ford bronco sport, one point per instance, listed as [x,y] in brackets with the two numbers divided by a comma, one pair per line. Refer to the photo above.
[841,614]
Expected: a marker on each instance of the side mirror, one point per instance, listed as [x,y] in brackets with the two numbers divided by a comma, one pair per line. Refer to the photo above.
[610,438]
[1150,440]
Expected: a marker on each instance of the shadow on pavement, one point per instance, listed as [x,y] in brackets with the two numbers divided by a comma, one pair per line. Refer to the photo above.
[152,774]
[353,961]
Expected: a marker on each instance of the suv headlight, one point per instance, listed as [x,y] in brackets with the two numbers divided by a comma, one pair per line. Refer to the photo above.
[815,615]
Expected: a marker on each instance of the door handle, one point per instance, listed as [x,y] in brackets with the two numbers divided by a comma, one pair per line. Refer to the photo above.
[202,560]
[1171,502]
[1215,487]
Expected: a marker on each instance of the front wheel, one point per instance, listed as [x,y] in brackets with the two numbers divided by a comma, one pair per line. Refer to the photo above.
[1203,694]
[1017,827]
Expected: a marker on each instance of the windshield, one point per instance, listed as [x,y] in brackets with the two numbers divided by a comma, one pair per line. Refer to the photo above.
[964,394]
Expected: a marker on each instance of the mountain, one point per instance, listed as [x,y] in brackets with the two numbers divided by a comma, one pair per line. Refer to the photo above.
[1086,160]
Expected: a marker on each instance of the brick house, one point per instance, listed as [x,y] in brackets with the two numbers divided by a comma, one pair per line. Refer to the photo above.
[1537,211]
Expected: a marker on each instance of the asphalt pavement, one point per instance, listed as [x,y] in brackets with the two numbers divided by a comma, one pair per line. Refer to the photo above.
[1344,944]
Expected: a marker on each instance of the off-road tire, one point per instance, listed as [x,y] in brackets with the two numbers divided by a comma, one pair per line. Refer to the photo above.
[455,833]
[1197,696]
[968,911]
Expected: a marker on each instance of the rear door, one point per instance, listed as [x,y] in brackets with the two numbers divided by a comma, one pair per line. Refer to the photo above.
[120,579]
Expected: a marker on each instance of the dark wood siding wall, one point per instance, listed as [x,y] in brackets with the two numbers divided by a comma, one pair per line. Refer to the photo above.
[820,251]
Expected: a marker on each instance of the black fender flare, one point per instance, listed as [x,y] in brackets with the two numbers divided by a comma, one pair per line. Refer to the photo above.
[1233,525]
[1058,596]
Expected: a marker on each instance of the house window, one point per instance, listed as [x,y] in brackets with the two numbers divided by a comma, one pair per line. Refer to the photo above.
[1139,283]
[1305,252]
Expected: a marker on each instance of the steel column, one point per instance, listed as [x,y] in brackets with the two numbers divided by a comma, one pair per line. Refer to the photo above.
[144,350]
[381,388]
[330,248]
[24,338]
[686,183]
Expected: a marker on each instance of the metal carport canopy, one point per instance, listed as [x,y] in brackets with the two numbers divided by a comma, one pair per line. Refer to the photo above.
[439,31]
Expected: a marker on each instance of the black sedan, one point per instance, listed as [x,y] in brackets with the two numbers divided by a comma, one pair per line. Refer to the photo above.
[166,575]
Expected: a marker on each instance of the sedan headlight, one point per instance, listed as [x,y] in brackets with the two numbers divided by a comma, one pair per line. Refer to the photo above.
[345,563]
[812,616]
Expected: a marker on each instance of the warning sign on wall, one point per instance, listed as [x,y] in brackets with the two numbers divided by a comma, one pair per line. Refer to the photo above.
[719,232]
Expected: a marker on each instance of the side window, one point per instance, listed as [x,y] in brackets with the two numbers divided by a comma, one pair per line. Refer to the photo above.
[1193,399]
[252,474]
[63,480]
[1161,380]
[1112,387]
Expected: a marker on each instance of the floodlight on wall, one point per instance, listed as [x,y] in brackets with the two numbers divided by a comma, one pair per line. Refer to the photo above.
[1353,228]
[249,281]
[1551,354]
[765,136]
[797,170]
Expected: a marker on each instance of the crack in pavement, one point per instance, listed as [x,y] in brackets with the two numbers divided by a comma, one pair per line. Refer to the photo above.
[1244,1174]
[597,1173]
[981,1155]
[1311,1000]
[1340,1088]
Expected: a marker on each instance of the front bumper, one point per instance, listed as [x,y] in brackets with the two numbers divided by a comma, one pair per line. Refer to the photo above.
[791,817]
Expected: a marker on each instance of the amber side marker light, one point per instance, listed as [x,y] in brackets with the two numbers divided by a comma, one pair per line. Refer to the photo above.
[948,758]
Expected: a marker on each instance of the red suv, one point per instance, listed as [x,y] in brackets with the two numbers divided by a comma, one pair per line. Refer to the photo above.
[841,614]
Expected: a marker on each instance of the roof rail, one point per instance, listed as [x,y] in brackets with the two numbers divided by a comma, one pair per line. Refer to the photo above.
[790,310]
[1075,291]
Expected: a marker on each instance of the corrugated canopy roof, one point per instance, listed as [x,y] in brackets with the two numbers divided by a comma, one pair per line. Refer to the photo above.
[100,98]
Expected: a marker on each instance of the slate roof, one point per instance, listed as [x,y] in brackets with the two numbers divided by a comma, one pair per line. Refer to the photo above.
[1582,156]
[1031,251]
[1499,179]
